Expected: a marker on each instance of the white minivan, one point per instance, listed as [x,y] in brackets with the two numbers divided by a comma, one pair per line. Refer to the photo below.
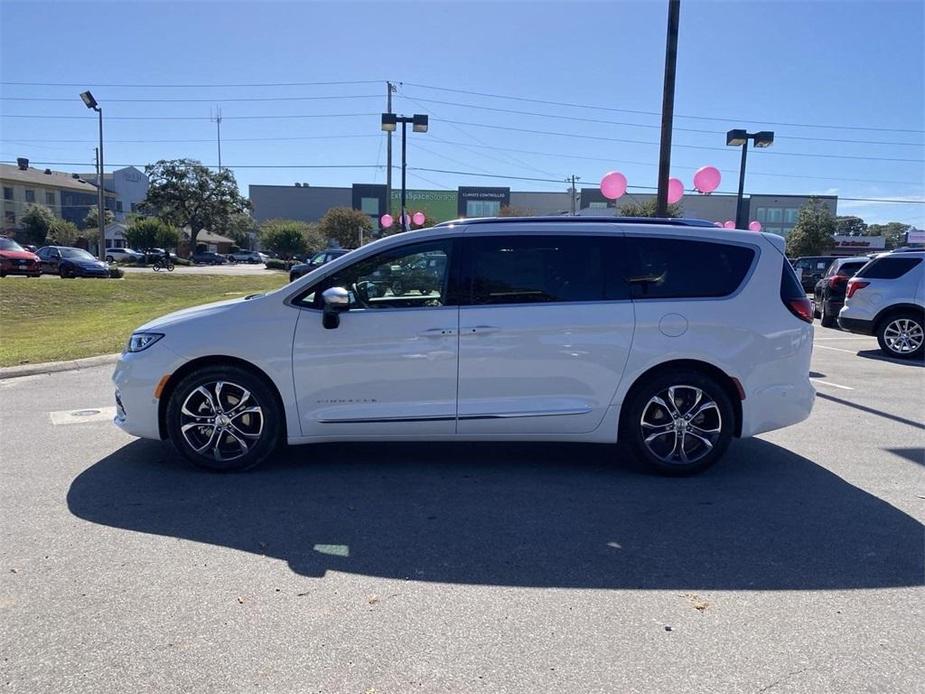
[671,336]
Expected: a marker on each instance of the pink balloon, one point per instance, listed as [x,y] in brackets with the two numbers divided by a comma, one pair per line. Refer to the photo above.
[613,185]
[707,179]
[419,218]
[675,190]
[729,224]
[386,221]
[718,224]
[754,225]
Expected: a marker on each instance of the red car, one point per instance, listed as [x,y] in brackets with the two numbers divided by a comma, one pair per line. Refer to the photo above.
[15,260]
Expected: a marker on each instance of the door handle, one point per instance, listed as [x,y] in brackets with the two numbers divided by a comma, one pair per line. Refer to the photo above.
[481,330]
[437,332]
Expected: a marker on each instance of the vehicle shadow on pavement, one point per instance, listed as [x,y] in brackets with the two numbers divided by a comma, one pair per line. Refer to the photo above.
[877,355]
[560,515]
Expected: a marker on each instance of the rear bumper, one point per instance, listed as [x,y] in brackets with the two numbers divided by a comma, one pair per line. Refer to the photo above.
[776,407]
[856,325]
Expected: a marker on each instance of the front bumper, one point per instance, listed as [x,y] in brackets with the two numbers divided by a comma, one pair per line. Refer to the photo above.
[136,376]
[91,272]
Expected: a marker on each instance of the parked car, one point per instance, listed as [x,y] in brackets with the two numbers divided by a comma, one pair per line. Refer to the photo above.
[247,257]
[207,258]
[829,294]
[124,255]
[71,262]
[811,268]
[16,260]
[668,335]
[317,260]
[886,298]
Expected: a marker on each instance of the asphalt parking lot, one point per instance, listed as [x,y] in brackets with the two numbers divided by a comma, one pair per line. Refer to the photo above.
[795,565]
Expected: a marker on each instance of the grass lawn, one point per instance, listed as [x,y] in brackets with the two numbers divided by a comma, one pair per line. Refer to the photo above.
[51,319]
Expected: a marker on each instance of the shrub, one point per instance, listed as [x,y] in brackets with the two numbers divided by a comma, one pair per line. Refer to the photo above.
[277,264]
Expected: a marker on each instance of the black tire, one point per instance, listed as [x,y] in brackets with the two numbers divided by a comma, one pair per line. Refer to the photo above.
[827,320]
[915,329]
[235,380]
[109,259]
[719,419]
[65,274]
[816,313]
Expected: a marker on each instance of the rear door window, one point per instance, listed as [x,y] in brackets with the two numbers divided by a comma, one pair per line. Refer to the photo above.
[889,268]
[538,269]
[670,268]
[848,269]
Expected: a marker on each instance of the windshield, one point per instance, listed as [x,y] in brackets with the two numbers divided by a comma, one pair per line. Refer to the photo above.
[75,254]
[10,245]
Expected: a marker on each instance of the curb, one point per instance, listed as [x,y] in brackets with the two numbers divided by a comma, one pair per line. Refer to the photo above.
[56,366]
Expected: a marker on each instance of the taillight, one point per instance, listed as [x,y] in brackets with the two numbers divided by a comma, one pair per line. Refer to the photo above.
[854,285]
[801,308]
[835,280]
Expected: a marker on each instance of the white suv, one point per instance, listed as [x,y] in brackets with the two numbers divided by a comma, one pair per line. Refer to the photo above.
[671,336]
[886,298]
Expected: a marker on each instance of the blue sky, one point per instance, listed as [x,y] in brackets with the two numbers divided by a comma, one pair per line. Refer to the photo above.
[789,67]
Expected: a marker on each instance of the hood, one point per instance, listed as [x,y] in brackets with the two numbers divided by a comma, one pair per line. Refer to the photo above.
[18,255]
[189,314]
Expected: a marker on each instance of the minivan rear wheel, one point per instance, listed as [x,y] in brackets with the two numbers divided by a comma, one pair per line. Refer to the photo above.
[224,418]
[680,422]
[902,335]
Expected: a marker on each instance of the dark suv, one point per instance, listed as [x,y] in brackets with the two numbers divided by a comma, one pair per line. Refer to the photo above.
[811,268]
[829,294]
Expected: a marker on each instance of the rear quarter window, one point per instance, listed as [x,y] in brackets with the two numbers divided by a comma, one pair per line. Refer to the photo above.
[850,268]
[888,268]
[668,268]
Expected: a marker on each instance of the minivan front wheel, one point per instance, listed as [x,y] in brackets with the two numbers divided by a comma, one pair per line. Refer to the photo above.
[902,336]
[224,418]
[679,422]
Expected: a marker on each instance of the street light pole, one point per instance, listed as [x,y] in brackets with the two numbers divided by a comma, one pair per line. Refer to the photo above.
[737,138]
[404,166]
[91,103]
[671,61]
[419,125]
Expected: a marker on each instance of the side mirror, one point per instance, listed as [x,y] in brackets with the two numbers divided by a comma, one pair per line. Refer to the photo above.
[336,300]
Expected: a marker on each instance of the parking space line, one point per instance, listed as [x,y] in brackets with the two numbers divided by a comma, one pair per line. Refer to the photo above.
[829,383]
[851,337]
[836,349]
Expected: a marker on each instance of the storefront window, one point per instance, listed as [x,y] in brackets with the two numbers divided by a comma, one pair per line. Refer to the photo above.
[775,214]
[370,206]
[762,214]
[483,208]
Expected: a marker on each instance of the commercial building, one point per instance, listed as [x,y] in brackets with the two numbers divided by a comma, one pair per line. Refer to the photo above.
[777,213]
[67,195]
[130,186]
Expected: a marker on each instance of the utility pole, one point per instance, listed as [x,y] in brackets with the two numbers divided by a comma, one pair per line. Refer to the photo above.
[390,89]
[671,61]
[573,195]
[218,128]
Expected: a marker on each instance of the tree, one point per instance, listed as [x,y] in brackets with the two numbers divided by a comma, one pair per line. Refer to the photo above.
[646,208]
[150,232]
[240,226]
[893,231]
[38,223]
[91,221]
[65,233]
[812,234]
[850,226]
[186,193]
[343,225]
[284,237]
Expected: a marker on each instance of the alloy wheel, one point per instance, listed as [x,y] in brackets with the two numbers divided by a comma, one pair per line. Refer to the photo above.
[681,424]
[221,420]
[903,336]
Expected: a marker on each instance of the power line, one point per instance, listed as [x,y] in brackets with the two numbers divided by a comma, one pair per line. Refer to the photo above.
[648,125]
[224,139]
[200,118]
[643,142]
[658,113]
[190,86]
[615,161]
[200,100]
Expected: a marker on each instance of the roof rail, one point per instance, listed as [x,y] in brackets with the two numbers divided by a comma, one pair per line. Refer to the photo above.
[663,221]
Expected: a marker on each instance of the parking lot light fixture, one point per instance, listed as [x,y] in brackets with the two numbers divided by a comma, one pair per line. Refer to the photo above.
[740,138]
[390,122]
[92,103]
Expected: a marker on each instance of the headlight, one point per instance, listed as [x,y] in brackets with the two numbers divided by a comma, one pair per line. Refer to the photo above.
[139,342]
